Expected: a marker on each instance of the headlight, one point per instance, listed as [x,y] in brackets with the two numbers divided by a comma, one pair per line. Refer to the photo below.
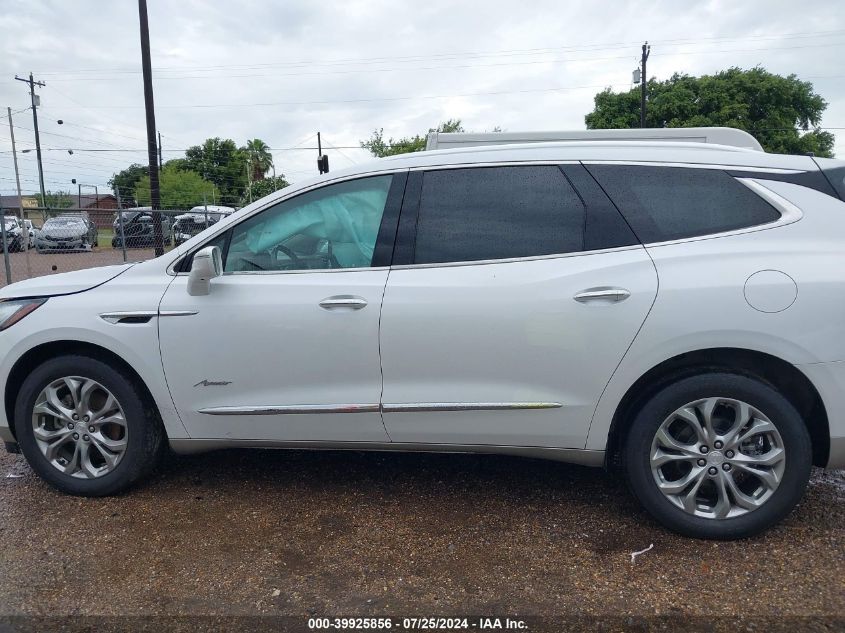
[13,310]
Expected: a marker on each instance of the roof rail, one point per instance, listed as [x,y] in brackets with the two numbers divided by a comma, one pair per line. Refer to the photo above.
[710,135]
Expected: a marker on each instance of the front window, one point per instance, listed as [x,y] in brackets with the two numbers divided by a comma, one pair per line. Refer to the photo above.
[331,227]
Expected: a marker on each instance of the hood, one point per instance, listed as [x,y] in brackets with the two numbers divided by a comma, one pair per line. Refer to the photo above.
[63,283]
[64,232]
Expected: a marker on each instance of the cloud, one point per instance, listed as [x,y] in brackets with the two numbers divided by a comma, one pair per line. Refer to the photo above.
[286,70]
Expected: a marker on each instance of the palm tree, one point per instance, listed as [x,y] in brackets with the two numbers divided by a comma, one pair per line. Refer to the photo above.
[259,157]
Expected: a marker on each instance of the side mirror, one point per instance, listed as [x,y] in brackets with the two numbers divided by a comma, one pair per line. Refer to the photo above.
[207,264]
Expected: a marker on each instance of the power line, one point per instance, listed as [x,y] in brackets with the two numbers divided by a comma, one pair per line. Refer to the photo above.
[451,66]
[458,55]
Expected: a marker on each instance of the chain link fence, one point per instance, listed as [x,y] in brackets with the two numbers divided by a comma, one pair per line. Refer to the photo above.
[45,241]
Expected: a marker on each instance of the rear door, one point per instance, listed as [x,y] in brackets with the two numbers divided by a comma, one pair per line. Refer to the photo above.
[515,292]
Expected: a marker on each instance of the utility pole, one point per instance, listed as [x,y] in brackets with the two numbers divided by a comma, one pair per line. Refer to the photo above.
[32,83]
[160,165]
[644,83]
[249,179]
[20,206]
[152,150]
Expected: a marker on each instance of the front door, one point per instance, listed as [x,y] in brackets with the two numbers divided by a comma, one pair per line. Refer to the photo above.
[519,297]
[285,345]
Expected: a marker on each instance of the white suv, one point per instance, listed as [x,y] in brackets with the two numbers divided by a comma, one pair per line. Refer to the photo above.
[673,310]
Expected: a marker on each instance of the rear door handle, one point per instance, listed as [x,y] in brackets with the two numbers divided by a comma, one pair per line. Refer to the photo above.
[343,301]
[608,295]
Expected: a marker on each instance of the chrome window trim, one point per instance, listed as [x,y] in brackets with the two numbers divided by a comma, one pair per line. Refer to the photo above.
[359,269]
[663,163]
[643,163]
[275,201]
[512,260]
[509,163]
[785,207]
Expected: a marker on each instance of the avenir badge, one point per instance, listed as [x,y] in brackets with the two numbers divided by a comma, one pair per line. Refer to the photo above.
[213,383]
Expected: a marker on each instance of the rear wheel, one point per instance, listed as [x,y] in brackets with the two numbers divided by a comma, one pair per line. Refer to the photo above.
[83,427]
[718,455]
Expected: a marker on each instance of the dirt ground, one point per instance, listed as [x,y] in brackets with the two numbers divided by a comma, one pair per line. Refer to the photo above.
[325,534]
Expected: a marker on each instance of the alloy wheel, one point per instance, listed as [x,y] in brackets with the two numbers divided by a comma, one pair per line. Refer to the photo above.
[80,427]
[717,458]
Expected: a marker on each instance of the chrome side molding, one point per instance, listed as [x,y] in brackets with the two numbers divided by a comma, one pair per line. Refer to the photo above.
[405,407]
[293,409]
[169,313]
[413,407]
[141,316]
[136,317]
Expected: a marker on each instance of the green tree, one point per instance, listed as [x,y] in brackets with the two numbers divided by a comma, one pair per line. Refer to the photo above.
[179,189]
[177,163]
[783,113]
[265,187]
[378,147]
[59,199]
[221,162]
[125,181]
[258,156]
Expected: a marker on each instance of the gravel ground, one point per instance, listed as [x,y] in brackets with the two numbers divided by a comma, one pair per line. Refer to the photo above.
[304,533]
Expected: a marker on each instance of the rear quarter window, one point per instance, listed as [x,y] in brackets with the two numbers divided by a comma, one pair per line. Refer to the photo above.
[834,171]
[670,203]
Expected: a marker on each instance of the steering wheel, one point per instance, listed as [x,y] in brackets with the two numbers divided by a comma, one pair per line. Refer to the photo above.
[287,251]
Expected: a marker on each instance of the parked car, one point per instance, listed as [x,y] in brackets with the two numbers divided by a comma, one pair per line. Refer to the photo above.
[671,311]
[15,234]
[67,233]
[186,225]
[138,228]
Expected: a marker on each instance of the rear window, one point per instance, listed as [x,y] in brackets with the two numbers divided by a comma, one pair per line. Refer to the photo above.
[670,203]
[488,213]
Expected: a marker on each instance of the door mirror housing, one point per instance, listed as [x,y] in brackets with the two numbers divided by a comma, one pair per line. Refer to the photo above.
[207,264]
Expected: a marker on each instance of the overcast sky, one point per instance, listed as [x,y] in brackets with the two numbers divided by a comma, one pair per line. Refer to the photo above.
[280,71]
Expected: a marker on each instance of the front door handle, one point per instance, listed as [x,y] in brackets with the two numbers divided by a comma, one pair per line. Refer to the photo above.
[343,301]
[604,294]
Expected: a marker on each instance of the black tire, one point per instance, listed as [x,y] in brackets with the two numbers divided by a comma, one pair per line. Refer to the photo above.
[796,443]
[145,436]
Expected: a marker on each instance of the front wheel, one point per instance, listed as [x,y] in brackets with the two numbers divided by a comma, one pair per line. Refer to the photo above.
[718,455]
[83,427]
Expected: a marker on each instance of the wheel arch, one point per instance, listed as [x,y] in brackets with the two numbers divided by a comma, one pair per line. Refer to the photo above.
[45,351]
[778,373]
